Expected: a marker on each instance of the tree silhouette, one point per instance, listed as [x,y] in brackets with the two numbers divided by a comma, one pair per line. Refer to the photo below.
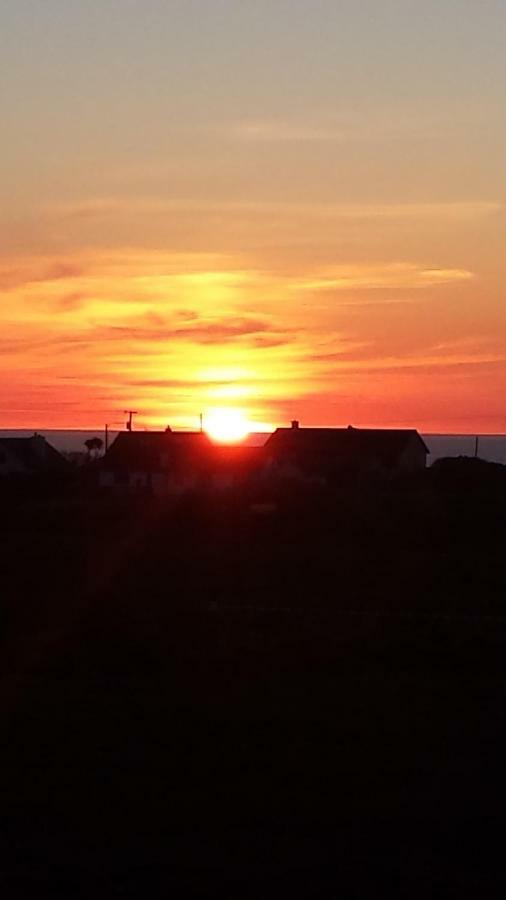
[93,446]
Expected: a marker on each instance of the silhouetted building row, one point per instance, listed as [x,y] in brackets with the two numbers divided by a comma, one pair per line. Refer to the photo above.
[174,462]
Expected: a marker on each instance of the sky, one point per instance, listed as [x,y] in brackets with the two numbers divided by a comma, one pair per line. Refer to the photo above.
[285,208]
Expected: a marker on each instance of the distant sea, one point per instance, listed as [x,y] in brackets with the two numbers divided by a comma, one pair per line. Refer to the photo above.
[491,447]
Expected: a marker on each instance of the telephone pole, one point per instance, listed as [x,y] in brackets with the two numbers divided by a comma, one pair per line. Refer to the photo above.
[129,413]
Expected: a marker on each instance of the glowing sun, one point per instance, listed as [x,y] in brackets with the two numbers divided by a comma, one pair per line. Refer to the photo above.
[226,425]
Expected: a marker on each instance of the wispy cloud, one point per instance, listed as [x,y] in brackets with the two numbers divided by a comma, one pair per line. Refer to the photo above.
[388,276]
[352,126]
[198,331]
[149,205]
[276,131]
[452,210]
[31,271]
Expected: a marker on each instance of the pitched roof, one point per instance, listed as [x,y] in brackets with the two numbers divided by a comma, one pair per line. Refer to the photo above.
[153,451]
[349,443]
[33,454]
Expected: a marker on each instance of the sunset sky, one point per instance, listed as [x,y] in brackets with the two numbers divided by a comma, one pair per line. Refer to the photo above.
[290,208]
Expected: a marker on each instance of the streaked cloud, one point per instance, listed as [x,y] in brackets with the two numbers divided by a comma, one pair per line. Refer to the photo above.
[391,275]
[149,205]
[198,331]
[278,131]
[172,332]
[370,126]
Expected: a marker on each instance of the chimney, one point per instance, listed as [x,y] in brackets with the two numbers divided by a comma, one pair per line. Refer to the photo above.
[295,424]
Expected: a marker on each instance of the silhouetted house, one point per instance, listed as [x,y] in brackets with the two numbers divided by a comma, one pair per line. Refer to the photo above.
[165,462]
[29,456]
[331,454]
[155,461]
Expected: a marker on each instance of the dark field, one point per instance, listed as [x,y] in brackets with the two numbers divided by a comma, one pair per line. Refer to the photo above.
[203,700]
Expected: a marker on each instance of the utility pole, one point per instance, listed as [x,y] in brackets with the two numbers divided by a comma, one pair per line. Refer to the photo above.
[201,423]
[476,446]
[129,413]
[106,438]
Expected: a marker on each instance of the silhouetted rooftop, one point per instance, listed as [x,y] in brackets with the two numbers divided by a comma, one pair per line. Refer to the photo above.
[152,450]
[34,453]
[384,443]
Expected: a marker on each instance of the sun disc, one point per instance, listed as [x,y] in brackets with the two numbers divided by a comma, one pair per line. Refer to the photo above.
[226,425]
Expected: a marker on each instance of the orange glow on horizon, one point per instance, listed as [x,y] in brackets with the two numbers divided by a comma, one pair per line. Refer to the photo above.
[92,333]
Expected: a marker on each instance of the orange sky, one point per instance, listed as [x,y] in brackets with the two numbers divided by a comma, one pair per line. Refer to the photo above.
[269,222]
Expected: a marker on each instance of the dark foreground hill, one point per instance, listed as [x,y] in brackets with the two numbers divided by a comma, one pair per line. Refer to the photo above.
[298,695]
